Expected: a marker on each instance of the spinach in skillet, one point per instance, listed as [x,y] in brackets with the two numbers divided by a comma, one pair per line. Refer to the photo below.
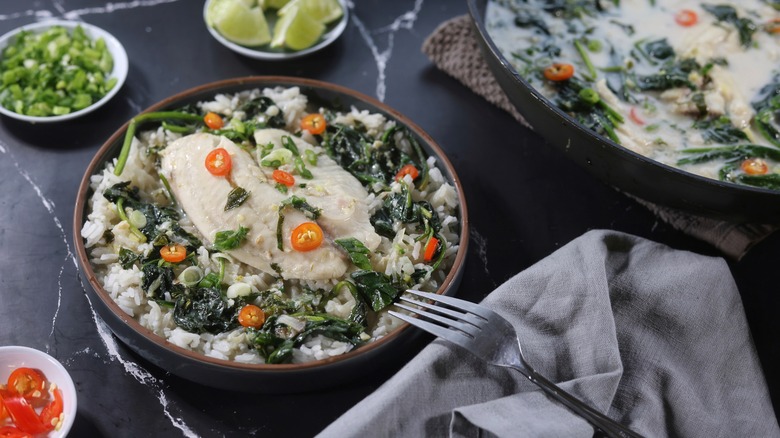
[727,14]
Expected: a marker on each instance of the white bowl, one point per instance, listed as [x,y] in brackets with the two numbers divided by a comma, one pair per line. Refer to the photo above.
[116,49]
[14,357]
[266,53]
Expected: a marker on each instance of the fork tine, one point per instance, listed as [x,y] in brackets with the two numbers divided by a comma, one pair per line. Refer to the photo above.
[454,336]
[454,302]
[468,329]
[472,319]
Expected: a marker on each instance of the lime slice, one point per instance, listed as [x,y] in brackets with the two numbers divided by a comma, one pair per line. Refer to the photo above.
[296,30]
[324,11]
[241,24]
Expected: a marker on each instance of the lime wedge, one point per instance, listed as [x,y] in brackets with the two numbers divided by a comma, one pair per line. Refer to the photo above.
[217,7]
[272,4]
[324,11]
[296,30]
[240,23]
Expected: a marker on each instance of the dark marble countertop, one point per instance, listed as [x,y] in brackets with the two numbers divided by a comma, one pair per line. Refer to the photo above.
[525,201]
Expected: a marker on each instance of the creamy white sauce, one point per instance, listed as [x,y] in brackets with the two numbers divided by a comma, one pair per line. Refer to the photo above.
[662,125]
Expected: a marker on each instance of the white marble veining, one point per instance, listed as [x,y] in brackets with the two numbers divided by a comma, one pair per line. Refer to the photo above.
[381,57]
[481,243]
[382,52]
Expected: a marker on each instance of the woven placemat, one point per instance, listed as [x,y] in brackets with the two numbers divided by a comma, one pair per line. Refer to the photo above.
[453,48]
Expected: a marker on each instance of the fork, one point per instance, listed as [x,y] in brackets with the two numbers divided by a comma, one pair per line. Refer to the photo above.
[492,338]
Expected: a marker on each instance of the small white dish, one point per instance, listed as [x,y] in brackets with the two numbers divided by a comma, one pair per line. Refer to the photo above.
[121,65]
[14,357]
[266,53]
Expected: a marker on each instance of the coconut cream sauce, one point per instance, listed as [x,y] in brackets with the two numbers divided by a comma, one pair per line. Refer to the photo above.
[660,127]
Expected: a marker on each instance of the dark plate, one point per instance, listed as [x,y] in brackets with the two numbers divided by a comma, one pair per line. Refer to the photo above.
[260,377]
[616,165]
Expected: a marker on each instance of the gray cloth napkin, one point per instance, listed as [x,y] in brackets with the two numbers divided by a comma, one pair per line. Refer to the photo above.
[453,48]
[655,337]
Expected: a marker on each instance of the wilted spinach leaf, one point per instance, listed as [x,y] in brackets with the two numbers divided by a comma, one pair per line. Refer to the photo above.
[375,288]
[720,130]
[728,14]
[236,197]
[358,252]
[230,239]
[204,310]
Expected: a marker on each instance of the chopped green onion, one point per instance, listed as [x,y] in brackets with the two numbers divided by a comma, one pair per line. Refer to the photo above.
[132,125]
[54,72]
[586,59]
[191,276]
[589,96]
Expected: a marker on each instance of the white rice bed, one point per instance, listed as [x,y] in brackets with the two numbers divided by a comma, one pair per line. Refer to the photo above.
[400,256]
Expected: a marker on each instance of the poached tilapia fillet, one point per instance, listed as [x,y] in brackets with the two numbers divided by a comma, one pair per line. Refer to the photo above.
[203,196]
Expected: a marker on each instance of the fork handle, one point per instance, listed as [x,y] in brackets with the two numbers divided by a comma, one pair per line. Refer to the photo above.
[603,423]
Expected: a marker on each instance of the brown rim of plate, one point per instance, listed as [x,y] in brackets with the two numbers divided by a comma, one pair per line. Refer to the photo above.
[100,159]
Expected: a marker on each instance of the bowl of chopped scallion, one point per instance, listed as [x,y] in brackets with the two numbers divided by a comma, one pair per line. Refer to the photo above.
[57,70]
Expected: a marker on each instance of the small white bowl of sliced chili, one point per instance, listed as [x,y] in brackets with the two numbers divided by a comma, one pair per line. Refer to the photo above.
[37,395]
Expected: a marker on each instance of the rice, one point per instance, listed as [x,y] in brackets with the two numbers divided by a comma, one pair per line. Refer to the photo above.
[105,234]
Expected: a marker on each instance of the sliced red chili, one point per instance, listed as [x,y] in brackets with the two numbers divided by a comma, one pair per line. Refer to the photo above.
[50,415]
[315,123]
[26,382]
[283,177]
[754,166]
[430,249]
[13,432]
[213,120]
[408,169]
[251,316]
[23,414]
[306,237]
[686,17]
[559,72]
[218,162]
[173,253]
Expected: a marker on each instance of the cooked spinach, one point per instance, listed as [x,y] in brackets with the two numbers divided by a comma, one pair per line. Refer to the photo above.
[236,197]
[256,109]
[359,313]
[732,157]
[771,181]
[720,130]
[591,111]
[230,239]
[673,74]
[276,341]
[158,281]
[741,152]
[126,196]
[400,207]
[375,288]
[573,9]
[204,309]
[767,108]
[373,163]
[127,258]
[358,252]
[527,18]
[657,50]
[727,14]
